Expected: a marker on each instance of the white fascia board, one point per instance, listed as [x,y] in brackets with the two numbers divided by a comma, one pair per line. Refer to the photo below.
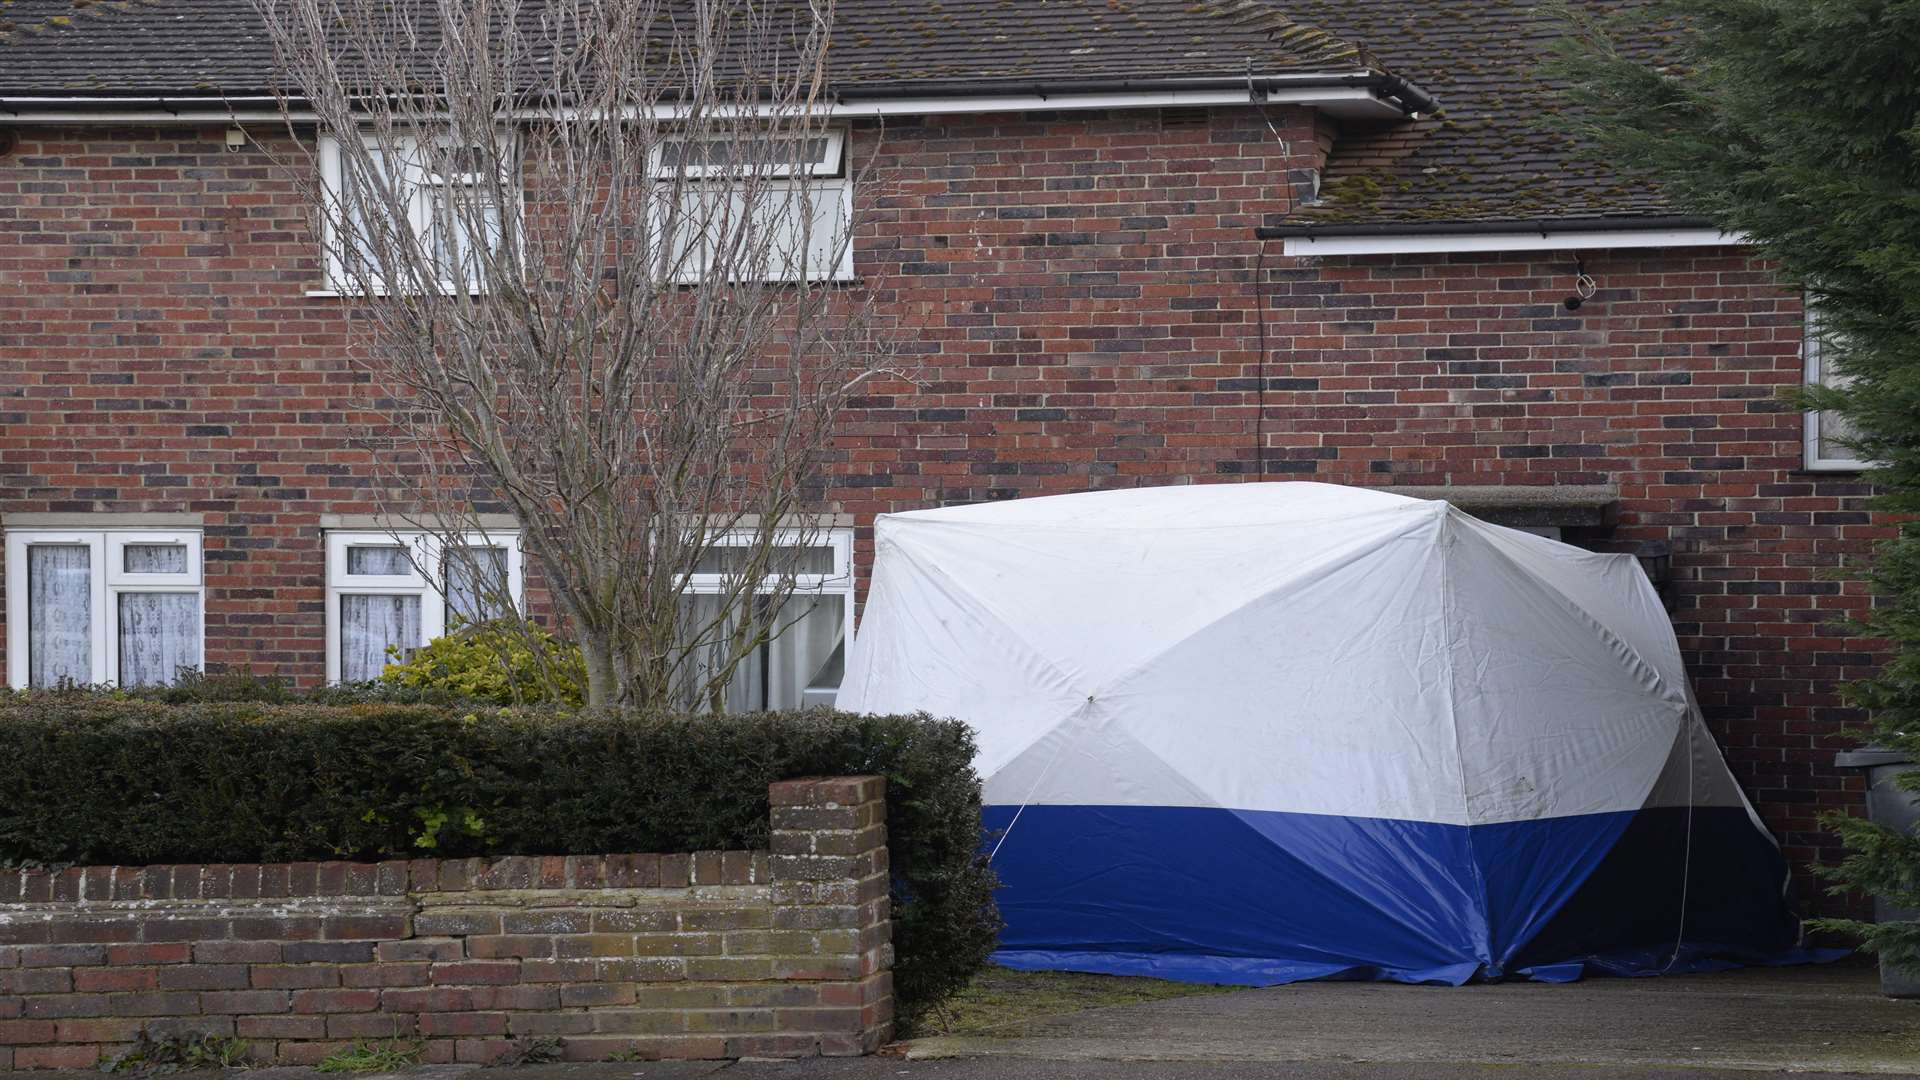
[1354,101]
[1533,240]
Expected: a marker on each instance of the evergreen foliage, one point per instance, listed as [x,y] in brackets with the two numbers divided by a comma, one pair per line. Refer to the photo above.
[1796,124]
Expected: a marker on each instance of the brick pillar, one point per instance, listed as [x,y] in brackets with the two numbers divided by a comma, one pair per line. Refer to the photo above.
[829,883]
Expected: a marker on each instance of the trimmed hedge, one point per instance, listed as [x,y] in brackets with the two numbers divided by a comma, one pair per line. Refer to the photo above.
[101,779]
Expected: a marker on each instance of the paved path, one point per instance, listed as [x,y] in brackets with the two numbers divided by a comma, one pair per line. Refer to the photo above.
[1814,1019]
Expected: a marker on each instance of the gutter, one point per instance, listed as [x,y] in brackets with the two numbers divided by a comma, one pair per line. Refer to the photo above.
[1526,234]
[1408,96]
[1350,90]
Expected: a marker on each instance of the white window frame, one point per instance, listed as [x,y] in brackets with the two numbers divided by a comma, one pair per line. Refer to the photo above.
[837,582]
[106,553]
[839,540]
[833,165]
[338,281]
[426,552]
[1814,419]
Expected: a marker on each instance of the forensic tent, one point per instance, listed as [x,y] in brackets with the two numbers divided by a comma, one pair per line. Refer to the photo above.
[1258,733]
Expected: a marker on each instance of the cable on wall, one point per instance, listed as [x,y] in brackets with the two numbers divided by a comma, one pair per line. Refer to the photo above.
[1260,292]
[1260,364]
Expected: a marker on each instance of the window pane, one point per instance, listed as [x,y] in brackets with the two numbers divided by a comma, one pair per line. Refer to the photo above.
[59,614]
[388,560]
[1831,426]
[789,231]
[477,584]
[369,625]
[159,635]
[773,158]
[1834,427]
[154,558]
[455,162]
[727,558]
[361,201]
[775,674]
[459,227]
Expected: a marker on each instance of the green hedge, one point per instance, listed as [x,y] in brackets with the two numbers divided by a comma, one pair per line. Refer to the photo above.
[97,778]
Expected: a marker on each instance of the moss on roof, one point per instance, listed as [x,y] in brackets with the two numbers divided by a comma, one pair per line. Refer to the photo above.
[1484,158]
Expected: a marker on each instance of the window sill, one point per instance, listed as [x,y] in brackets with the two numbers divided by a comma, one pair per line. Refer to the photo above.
[836,281]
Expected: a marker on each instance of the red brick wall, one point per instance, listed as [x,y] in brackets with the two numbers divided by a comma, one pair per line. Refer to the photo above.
[1081,297]
[716,954]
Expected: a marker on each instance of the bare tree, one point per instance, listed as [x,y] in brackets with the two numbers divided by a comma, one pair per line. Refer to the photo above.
[596,249]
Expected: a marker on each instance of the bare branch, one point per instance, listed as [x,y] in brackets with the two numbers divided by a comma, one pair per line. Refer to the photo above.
[598,251]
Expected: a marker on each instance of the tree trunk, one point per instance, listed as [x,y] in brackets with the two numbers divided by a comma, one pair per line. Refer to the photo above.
[603,683]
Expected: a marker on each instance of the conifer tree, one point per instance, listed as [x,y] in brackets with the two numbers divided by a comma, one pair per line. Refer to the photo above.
[1796,124]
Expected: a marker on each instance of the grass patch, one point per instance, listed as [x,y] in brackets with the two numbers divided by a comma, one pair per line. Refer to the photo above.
[1000,999]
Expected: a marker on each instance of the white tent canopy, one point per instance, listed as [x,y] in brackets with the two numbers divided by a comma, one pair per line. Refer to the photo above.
[1291,656]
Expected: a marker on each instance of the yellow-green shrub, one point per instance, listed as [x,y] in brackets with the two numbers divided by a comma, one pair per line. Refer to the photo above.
[502,662]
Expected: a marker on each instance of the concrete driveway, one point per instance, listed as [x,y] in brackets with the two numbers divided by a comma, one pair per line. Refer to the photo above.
[1828,1019]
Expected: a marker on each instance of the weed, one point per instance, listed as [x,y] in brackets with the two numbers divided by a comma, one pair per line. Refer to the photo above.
[174,1053]
[369,1056]
[539,1051]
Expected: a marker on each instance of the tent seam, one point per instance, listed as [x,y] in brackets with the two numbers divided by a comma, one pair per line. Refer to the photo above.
[1450,699]
[1638,663]
[1320,568]
[1068,677]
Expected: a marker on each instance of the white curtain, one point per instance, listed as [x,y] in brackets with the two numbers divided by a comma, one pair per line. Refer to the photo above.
[476,584]
[59,614]
[370,623]
[154,558]
[773,675]
[708,216]
[385,560]
[159,635]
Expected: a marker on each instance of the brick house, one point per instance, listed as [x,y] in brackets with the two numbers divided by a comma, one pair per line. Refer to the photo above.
[1137,242]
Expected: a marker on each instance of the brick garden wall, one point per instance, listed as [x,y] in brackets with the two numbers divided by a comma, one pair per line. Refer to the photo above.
[1082,302]
[716,954]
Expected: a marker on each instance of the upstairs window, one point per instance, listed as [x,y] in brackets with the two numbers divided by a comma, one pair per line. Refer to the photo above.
[1823,429]
[798,221]
[388,594]
[117,606]
[449,207]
